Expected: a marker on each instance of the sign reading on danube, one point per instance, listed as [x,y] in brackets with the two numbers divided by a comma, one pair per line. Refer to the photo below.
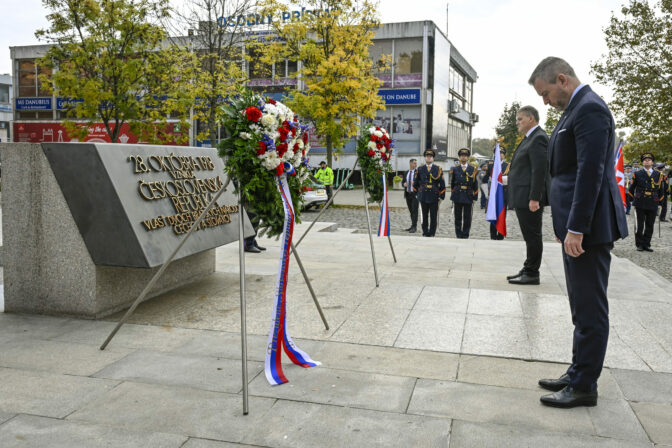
[400,96]
[39,103]
[133,203]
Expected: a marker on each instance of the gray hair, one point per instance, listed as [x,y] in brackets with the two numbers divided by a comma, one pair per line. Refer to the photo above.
[530,112]
[550,68]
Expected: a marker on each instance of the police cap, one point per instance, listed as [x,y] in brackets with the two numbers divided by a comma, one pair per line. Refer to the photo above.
[464,152]
[647,155]
[429,152]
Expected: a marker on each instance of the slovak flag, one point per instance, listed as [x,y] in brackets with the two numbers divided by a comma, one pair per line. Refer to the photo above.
[496,209]
[620,176]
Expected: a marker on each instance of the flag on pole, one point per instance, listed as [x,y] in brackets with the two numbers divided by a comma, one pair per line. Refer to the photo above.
[496,213]
[620,176]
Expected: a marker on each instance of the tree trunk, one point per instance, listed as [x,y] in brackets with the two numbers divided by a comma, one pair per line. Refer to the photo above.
[329,151]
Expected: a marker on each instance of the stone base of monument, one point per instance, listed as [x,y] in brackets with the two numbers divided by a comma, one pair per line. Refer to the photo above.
[49,267]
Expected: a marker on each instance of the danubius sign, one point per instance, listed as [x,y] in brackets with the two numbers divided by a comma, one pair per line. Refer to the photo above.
[254,19]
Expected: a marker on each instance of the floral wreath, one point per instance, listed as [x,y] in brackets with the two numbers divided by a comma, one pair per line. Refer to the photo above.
[374,150]
[264,141]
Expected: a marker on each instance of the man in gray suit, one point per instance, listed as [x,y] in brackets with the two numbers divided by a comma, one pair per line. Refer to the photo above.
[529,181]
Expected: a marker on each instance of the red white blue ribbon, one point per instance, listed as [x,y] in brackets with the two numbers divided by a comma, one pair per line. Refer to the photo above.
[278,337]
[384,224]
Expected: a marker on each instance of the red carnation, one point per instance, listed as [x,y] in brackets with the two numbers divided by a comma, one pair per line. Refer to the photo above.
[296,147]
[280,169]
[379,145]
[374,138]
[371,153]
[261,149]
[293,132]
[296,119]
[270,100]
[253,113]
[283,131]
[305,137]
[281,149]
[377,128]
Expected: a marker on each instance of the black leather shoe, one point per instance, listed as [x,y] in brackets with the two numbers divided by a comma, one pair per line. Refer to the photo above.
[252,249]
[525,279]
[258,246]
[555,384]
[408,230]
[412,230]
[570,398]
[648,249]
[511,277]
[640,249]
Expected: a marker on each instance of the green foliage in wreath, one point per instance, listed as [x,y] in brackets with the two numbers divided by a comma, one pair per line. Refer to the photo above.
[374,150]
[264,141]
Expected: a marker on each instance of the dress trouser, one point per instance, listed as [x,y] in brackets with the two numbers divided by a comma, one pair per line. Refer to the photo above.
[429,211]
[587,277]
[412,204]
[663,209]
[645,221]
[530,226]
[463,219]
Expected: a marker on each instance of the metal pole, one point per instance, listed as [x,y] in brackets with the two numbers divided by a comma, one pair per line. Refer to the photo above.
[368,224]
[165,265]
[310,286]
[329,202]
[243,303]
[392,248]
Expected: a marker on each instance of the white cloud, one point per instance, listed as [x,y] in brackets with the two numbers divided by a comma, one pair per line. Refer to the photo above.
[502,40]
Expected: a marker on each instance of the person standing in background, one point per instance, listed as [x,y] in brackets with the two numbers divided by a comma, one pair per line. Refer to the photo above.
[410,195]
[463,193]
[325,176]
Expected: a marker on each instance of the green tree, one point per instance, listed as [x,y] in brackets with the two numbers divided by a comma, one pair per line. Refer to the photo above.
[483,146]
[507,131]
[217,42]
[638,65]
[331,41]
[110,57]
[552,117]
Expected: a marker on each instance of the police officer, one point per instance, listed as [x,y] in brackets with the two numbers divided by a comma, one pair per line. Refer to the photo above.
[325,176]
[660,167]
[463,193]
[646,189]
[430,187]
[494,235]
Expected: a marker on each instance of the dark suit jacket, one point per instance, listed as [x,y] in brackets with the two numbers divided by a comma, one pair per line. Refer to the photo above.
[584,192]
[404,182]
[529,179]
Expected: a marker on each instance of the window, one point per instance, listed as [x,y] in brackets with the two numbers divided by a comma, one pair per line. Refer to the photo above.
[27,78]
[456,81]
[407,56]
[4,93]
[379,49]
[468,85]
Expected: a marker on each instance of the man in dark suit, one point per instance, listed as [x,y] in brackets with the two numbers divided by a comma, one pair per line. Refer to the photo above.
[494,234]
[410,195]
[463,193]
[588,217]
[529,181]
[647,191]
[430,187]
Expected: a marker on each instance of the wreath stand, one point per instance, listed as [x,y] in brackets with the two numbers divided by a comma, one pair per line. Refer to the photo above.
[368,220]
[243,303]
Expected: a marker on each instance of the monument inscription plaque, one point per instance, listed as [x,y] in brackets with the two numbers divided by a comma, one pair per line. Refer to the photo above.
[132,203]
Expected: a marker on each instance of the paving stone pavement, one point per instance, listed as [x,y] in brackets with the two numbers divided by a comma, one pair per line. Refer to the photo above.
[444,353]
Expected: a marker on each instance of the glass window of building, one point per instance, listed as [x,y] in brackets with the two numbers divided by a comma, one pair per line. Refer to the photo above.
[27,78]
[379,49]
[292,67]
[407,56]
[43,89]
[406,129]
[4,93]
[467,95]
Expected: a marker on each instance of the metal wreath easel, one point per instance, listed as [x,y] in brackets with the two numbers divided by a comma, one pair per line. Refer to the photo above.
[368,220]
[243,303]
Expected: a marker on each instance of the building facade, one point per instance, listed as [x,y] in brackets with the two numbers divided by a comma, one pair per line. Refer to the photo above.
[6,117]
[428,92]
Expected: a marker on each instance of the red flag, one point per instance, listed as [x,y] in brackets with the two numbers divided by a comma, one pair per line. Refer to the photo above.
[620,176]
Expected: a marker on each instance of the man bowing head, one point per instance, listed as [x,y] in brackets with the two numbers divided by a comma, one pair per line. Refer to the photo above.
[588,217]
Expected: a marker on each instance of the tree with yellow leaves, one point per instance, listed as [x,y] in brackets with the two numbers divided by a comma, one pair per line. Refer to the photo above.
[330,40]
[110,58]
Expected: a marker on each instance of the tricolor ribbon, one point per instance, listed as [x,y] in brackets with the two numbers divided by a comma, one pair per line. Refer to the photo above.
[278,337]
[384,225]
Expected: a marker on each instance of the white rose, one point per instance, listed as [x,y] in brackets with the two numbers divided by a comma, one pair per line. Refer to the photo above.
[372,145]
[372,130]
[378,134]
[382,149]
[245,135]
[268,121]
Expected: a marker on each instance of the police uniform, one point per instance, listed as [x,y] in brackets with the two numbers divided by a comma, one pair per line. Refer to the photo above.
[646,191]
[463,193]
[494,235]
[430,187]
[663,202]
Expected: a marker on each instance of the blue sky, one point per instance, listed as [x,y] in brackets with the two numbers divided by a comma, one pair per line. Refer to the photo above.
[503,40]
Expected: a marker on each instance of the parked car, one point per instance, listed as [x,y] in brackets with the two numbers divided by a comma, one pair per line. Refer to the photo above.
[313,195]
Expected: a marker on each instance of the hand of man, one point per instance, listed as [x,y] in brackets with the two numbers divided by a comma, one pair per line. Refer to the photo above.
[573,244]
[534,206]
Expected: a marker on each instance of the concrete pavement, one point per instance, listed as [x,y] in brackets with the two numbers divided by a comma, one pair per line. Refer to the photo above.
[444,353]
